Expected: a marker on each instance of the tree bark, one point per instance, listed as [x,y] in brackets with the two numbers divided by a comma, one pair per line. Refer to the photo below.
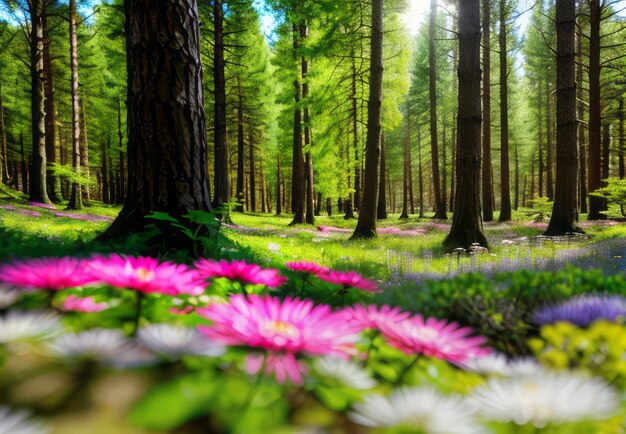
[52,181]
[279,204]
[620,137]
[356,203]
[240,149]
[505,188]
[440,207]
[466,222]
[252,172]
[167,152]
[420,171]
[84,156]
[37,182]
[310,189]
[549,159]
[106,197]
[24,165]
[582,177]
[120,143]
[404,214]
[221,195]
[565,209]
[76,196]
[540,145]
[366,225]
[297,173]
[486,144]
[381,212]
[4,155]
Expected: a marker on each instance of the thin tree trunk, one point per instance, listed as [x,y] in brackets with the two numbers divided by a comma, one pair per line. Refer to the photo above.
[297,175]
[565,209]
[606,152]
[532,181]
[486,138]
[444,167]
[440,207]
[122,159]
[404,214]
[4,154]
[549,159]
[516,182]
[252,207]
[505,189]
[106,198]
[24,166]
[540,137]
[420,171]
[356,203]
[310,188]
[76,197]
[366,226]
[381,212]
[221,195]
[466,227]
[620,137]
[240,149]
[582,151]
[594,175]
[52,181]
[279,205]
[84,156]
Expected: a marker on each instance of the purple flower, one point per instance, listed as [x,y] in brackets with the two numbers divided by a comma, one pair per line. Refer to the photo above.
[29,213]
[43,205]
[583,310]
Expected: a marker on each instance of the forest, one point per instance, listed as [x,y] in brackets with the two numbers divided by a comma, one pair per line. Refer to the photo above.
[329,216]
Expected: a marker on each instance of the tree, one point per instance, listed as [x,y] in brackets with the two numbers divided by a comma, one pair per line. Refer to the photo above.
[76,198]
[505,189]
[366,225]
[466,221]
[167,151]
[222,185]
[486,137]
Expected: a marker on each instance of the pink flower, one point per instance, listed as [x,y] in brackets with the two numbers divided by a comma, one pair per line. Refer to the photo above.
[239,271]
[306,267]
[146,275]
[434,338]
[372,316]
[285,329]
[87,304]
[350,280]
[46,273]
[43,205]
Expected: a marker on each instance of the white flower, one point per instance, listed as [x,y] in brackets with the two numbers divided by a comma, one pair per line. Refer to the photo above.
[23,325]
[545,397]
[499,364]
[103,345]
[273,247]
[176,341]
[344,371]
[8,296]
[18,422]
[421,408]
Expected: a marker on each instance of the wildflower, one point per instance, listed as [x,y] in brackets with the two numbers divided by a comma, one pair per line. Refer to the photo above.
[499,364]
[19,422]
[372,316]
[86,304]
[286,329]
[46,273]
[176,341]
[434,338]
[273,247]
[20,325]
[344,371]
[239,271]
[8,296]
[350,279]
[583,310]
[420,410]
[546,397]
[43,205]
[306,267]
[146,275]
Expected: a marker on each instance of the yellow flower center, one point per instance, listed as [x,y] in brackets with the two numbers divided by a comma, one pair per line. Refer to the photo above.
[145,275]
[283,328]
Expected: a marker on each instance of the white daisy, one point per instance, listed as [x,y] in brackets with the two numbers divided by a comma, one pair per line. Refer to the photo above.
[100,345]
[499,364]
[23,325]
[176,341]
[422,408]
[18,422]
[8,296]
[344,371]
[545,397]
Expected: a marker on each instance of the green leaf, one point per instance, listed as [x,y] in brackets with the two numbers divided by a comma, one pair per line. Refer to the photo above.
[162,216]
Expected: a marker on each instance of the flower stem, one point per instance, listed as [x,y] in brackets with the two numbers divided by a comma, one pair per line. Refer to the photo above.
[304,279]
[405,371]
[138,302]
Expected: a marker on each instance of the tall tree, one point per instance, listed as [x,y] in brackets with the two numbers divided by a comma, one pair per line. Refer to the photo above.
[366,225]
[466,221]
[167,152]
[76,198]
[486,137]
[505,188]
[298,167]
[222,185]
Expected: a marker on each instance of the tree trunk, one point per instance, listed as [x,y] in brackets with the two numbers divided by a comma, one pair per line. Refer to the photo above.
[84,156]
[37,182]
[540,145]
[420,171]
[76,197]
[121,156]
[167,152]
[486,144]
[240,149]
[381,212]
[606,153]
[582,177]
[467,223]
[106,197]
[279,205]
[516,182]
[444,166]
[310,189]
[297,174]
[366,226]
[565,209]
[549,159]
[440,207]
[318,204]
[355,137]
[505,188]
[594,175]
[24,166]
[252,172]
[620,137]
[404,214]
[222,188]
[4,155]
[52,181]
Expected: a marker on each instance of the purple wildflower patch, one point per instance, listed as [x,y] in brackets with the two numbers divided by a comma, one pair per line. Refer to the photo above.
[583,310]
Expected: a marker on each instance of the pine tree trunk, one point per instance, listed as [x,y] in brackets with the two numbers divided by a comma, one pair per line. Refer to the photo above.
[466,222]
[540,145]
[381,211]
[84,157]
[76,196]
[420,171]
[366,226]
[620,137]
[516,182]
[356,203]
[594,169]
[505,188]
[582,151]
[444,167]
[240,149]
[486,138]
[440,207]
[404,214]
[279,205]
[549,159]
[52,181]
[221,195]
[252,207]
[37,181]
[297,173]
[606,154]
[106,198]
[167,152]
[121,156]
[565,209]
[23,165]
[4,155]
[310,188]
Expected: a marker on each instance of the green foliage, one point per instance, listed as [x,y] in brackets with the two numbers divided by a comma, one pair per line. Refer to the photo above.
[614,193]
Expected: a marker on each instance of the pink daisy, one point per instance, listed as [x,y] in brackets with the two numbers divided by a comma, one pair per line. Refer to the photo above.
[434,338]
[239,271]
[372,316]
[146,275]
[86,304]
[350,279]
[46,273]
[306,267]
[286,329]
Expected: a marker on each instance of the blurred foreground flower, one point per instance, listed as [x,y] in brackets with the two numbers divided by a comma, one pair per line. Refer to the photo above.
[8,296]
[239,271]
[547,397]
[19,422]
[23,325]
[499,364]
[286,329]
[175,341]
[350,279]
[86,304]
[422,410]
[372,316]
[46,273]
[583,310]
[306,267]
[345,372]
